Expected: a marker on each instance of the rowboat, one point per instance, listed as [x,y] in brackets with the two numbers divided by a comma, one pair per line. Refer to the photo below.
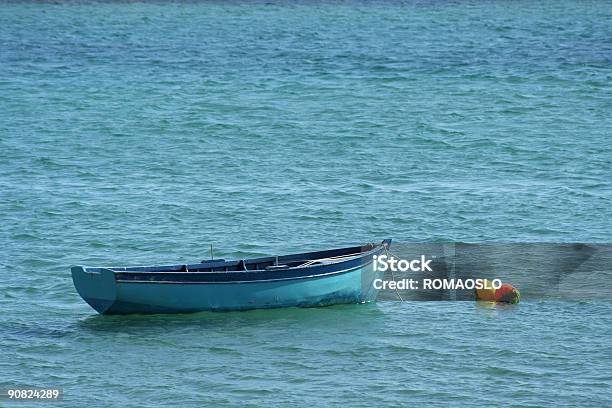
[311,279]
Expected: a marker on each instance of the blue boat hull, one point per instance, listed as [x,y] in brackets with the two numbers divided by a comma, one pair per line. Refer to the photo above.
[351,287]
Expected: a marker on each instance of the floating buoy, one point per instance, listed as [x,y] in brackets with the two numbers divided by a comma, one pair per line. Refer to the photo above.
[506,293]
[487,292]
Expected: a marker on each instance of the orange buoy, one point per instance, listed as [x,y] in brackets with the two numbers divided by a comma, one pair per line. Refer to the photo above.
[506,293]
[487,293]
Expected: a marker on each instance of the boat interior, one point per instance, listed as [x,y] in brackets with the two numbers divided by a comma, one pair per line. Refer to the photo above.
[258,264]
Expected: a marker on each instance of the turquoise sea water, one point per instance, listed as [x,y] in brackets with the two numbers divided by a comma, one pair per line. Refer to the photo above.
[139,133]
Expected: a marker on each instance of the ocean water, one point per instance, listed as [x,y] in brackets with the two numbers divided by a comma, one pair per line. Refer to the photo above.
[140,133]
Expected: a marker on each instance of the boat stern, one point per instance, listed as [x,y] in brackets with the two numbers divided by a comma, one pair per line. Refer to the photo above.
[96,286]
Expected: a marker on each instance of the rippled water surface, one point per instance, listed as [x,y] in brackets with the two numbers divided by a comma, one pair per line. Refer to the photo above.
[139,133]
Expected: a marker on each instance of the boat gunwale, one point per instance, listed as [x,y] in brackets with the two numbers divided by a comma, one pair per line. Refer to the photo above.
[117,270]
[313,276]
